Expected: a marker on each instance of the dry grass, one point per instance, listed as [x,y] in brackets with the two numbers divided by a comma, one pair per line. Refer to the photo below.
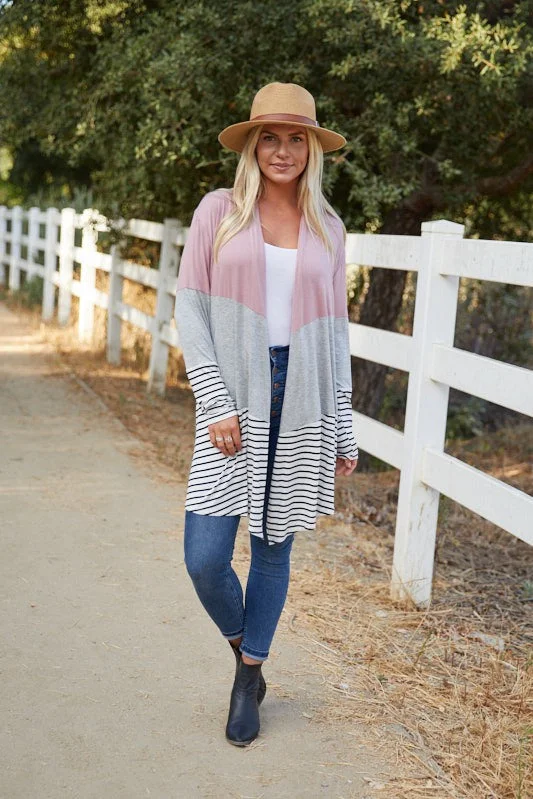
[453,684]
[447,692]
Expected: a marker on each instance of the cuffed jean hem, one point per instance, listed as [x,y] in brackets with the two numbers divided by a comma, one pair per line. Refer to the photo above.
[254,654]
[233,635]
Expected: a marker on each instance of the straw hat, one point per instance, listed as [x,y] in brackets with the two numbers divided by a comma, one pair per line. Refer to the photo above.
[282,103]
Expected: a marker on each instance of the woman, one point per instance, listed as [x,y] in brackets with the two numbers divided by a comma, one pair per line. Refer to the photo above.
[263,273]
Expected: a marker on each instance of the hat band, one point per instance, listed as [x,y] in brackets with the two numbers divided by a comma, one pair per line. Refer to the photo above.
[286,117]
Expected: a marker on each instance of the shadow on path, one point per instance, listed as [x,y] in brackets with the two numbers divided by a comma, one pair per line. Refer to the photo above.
[115,683]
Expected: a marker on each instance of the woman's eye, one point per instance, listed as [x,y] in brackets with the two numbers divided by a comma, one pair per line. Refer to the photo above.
[267,137]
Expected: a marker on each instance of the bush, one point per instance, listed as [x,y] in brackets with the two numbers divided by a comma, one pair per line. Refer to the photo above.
[30,293]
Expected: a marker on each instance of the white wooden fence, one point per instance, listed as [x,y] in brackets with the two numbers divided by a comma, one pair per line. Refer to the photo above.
[440,256]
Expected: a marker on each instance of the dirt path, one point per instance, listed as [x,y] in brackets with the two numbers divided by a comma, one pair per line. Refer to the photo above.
[114,682]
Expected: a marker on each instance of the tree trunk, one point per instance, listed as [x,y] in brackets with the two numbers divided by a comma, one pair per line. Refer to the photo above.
[384,298]
[381,309]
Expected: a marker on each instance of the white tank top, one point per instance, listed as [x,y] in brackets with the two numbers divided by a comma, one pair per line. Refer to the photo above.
[280,271]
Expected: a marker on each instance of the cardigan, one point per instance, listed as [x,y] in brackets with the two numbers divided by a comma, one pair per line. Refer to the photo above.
[280,263]
[223,334]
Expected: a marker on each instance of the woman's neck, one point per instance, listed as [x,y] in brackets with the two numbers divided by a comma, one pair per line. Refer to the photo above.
[281,196]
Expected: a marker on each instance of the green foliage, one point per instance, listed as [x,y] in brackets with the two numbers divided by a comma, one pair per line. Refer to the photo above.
[129,97]
[495,320]
[465,420]
[117,104]
[392,409]
[527,588]
[30,293]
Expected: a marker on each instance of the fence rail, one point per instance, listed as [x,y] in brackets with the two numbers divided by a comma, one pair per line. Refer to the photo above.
[440,257]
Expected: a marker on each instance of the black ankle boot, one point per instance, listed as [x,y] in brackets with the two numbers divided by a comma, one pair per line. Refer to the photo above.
[262,684]
[243,718]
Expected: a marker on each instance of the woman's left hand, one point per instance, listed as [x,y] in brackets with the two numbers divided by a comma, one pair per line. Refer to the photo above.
[345,466]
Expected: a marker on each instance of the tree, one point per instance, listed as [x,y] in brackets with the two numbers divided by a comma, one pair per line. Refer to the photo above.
[433,97]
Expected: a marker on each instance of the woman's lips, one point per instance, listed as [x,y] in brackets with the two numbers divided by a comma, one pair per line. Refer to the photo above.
[282,167]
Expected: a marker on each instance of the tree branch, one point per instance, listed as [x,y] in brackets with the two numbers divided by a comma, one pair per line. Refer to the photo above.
[424,201]
[502,185]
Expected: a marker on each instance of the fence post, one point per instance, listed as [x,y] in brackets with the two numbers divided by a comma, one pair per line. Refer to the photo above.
[50,256]
[16,240]
[114,322]
[168,268]
[3,243]
[66,264]
[87,279]
[33,237]
[425,417]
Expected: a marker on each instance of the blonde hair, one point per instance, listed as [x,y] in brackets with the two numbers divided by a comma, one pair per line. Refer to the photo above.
[249,186]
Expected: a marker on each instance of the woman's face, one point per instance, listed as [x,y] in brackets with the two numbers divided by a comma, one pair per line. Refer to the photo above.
[282,145]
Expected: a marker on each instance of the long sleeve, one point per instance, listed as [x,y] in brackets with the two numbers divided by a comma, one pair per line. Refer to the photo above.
[346,443]
[192,314]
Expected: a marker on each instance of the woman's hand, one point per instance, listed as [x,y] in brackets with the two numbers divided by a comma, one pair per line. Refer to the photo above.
[345,466]
[228,434]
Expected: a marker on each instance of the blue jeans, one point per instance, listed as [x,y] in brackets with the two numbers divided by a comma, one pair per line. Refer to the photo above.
[209,543]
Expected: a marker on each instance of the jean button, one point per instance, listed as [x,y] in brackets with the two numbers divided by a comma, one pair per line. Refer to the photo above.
[276,385]
[273,352]
[275,370]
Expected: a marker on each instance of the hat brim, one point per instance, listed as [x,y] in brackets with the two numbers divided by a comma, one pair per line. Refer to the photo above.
[234,136]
